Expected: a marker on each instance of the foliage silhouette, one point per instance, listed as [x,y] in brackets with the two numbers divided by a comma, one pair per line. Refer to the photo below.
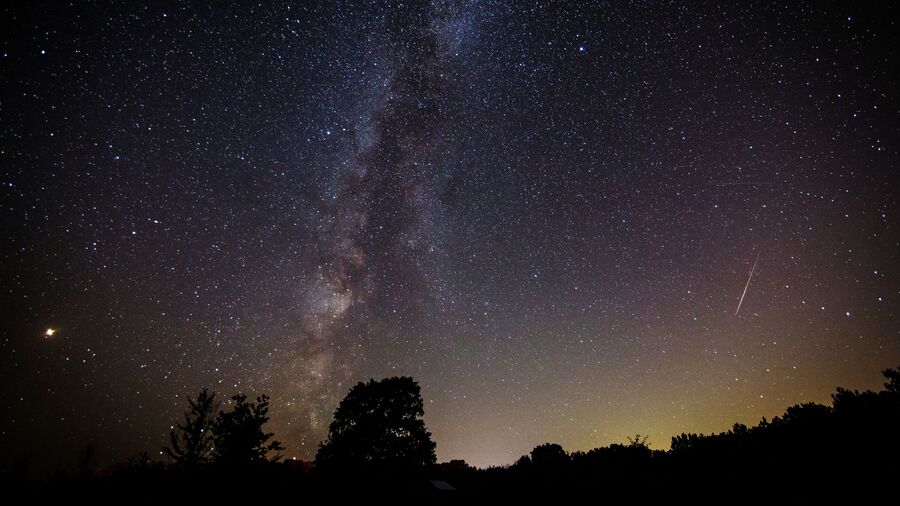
[638,441]
[238,434]
[892,387]
[549,455]
[191,441]
[379,422]
[234,437]
[812,453]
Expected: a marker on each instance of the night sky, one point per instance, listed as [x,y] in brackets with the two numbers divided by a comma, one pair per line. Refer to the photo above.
[546,213]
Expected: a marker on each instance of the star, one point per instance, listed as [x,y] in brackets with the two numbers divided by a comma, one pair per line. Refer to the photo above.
[523,208]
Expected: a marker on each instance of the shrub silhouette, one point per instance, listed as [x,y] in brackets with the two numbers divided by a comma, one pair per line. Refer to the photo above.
[379,422]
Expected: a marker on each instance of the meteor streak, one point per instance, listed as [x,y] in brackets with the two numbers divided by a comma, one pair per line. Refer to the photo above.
[736,311]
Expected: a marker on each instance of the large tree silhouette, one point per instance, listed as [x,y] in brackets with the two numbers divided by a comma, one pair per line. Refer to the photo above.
[191,441]
[379,422]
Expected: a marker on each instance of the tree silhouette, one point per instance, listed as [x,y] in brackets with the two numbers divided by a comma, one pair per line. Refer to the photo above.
[191,441]
[549,455]
[638,441]
[811,454]
[238,434]
[892,387]
[85,461]
[379,422]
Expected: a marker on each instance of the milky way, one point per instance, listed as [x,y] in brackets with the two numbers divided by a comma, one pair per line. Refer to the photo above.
[545,213]
[382,211]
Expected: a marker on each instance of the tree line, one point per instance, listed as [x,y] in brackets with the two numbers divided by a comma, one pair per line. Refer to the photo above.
[379,449]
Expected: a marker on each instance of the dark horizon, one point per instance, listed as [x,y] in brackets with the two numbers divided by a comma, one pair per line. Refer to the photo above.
[220,451]
[569,222]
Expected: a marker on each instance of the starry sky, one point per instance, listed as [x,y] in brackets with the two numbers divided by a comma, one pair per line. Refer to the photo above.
[547,213]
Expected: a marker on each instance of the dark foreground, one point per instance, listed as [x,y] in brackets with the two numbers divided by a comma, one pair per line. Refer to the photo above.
[847,453]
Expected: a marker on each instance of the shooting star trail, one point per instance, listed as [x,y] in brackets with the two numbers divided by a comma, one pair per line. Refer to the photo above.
[736,311]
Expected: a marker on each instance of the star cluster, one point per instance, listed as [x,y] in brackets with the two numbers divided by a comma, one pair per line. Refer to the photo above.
[545,212]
